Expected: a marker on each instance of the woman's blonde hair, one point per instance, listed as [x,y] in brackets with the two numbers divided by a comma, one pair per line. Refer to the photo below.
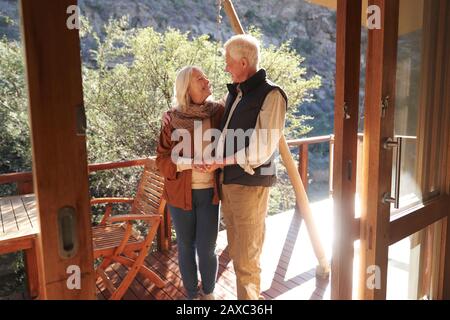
[244,46]
[181,97]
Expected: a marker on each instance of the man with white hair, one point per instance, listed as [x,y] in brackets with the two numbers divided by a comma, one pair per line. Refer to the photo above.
[256,104]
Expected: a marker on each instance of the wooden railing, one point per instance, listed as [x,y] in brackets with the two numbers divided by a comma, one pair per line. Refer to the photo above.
[303,151]
[24,180]
[303,145]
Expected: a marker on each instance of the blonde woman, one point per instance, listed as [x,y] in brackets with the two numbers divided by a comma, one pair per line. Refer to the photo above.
[192,195]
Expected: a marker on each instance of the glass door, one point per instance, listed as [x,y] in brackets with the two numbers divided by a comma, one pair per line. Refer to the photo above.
[417,157]
[405,146]
[419,133]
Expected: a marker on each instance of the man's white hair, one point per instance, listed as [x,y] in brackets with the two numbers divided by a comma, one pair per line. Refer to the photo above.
[244,46]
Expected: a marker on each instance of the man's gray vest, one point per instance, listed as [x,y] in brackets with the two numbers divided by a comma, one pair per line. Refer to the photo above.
[254,93]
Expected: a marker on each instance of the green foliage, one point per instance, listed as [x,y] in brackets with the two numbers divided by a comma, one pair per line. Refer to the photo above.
[6,21]
[12,274]
[15,149]
[8,27]
[282,196]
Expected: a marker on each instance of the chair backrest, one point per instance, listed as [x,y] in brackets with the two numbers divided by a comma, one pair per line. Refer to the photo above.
[149,192]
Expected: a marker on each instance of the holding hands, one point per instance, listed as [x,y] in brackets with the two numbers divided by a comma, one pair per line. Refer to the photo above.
[214,165]
[207,167]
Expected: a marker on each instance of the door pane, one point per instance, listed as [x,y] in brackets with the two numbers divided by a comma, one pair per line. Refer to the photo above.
[413,265]
[409,67]
[415,108]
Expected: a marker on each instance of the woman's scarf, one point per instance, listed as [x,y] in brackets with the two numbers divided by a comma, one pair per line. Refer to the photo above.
[194,112]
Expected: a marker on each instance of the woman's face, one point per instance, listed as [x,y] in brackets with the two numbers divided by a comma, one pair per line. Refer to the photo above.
[199,88]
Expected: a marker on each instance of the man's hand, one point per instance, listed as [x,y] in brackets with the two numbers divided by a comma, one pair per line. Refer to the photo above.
[166,118]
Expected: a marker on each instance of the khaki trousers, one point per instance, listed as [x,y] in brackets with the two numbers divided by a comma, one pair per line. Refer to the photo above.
[244,210]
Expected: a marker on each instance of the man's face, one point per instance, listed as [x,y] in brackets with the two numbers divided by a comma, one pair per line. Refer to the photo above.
[236,68]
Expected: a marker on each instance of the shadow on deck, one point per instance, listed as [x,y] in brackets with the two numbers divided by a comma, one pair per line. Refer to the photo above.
[288,264]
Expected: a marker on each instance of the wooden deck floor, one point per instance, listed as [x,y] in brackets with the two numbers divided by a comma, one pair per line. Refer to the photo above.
[288,264]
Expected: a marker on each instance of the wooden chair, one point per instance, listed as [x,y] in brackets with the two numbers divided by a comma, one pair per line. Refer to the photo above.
[116,239]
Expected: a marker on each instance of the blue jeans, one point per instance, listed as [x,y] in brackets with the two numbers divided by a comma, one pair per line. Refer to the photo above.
[197,232]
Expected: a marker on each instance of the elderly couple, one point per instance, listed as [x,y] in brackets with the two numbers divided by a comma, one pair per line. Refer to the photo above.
[193,190]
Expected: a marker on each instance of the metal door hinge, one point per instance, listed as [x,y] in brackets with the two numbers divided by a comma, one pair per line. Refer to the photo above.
[347,115]
[384,106]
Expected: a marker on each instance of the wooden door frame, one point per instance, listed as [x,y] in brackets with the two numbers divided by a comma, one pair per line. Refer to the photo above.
[424,216]
[60,172]
[444,269]
[377,171]
[348,57]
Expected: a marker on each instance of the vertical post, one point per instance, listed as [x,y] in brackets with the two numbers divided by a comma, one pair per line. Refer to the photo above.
[168,219]
[445,263]
[444,290]
[60,172]
[165,231]
[348,56]
[234,20]
[31,265]
[377,162]
[162,236]
[24,187]
[331,164]
[303,163]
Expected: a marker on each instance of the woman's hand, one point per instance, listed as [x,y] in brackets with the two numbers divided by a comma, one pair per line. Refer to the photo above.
[198,168]
[207,168]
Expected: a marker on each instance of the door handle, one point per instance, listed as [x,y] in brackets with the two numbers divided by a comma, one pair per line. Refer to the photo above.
[388,145]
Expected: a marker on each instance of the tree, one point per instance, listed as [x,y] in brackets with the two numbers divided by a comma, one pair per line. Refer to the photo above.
[15,148]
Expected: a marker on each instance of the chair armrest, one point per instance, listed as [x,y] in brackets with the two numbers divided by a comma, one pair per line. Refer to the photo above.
[111,200]
[130,217]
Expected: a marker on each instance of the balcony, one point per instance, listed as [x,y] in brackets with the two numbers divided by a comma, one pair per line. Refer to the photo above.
[290,276]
